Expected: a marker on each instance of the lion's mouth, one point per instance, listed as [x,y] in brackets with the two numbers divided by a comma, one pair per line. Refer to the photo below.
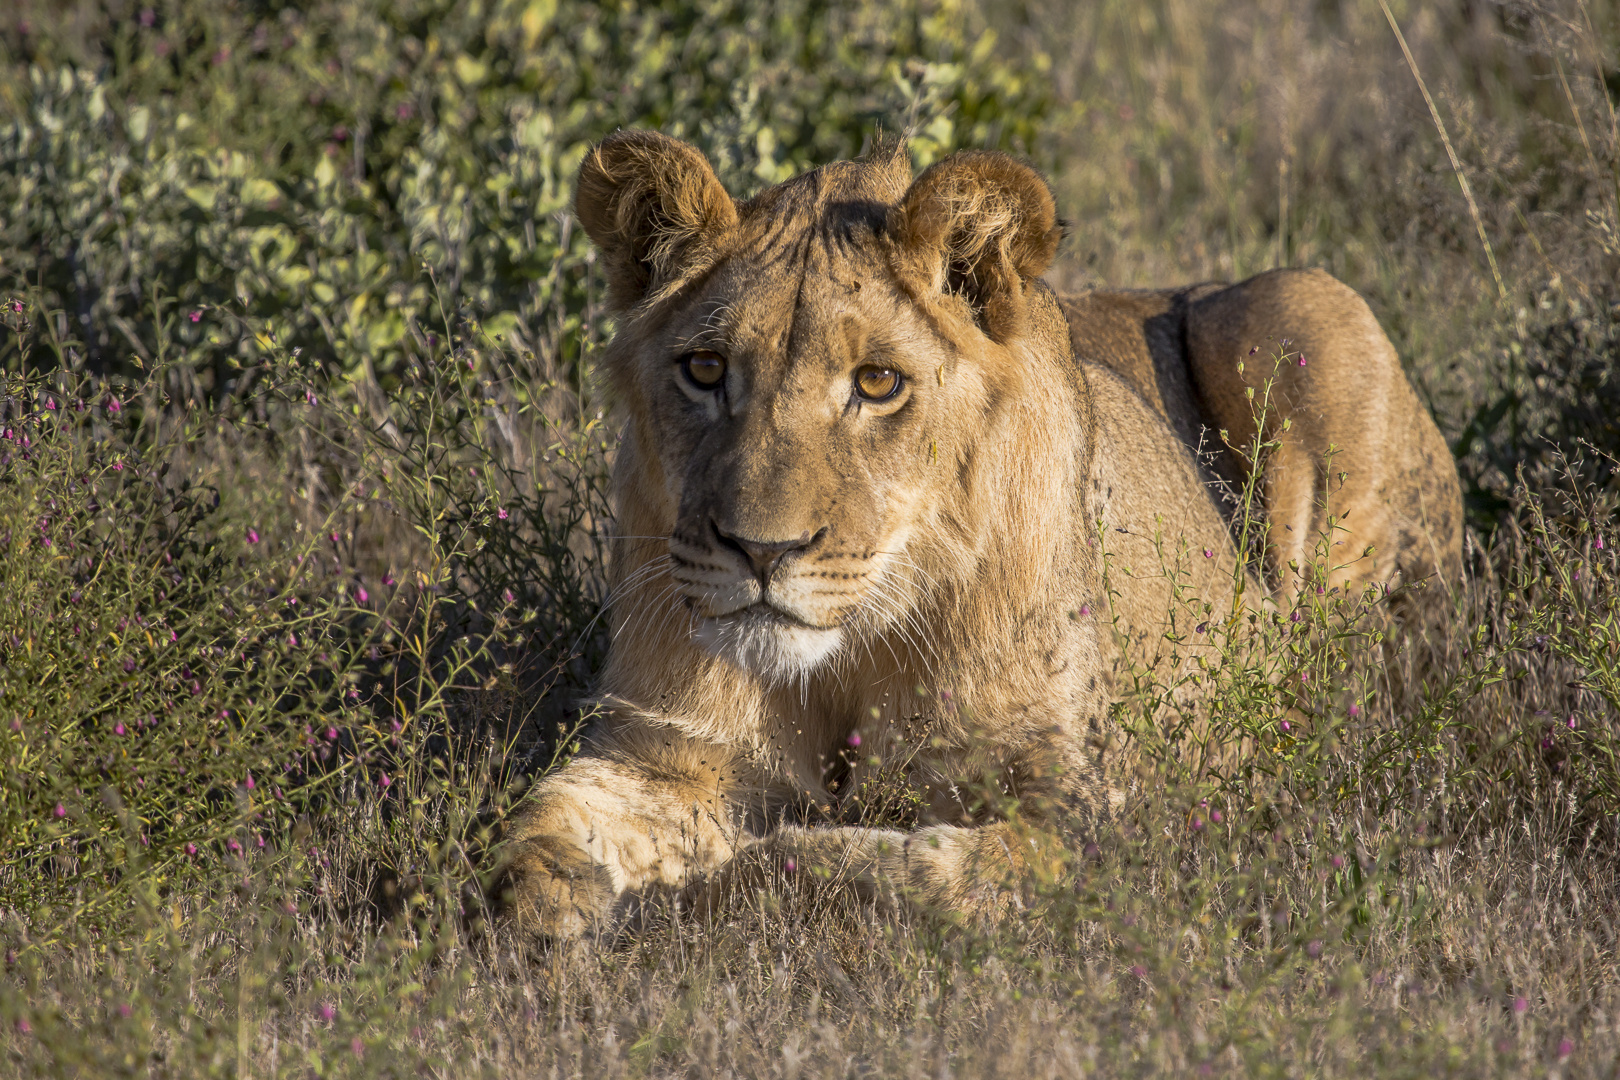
[768,611]
[768,641]
[761,611]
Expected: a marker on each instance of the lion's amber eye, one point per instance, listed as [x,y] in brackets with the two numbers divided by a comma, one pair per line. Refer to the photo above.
[704,368]
[876,383]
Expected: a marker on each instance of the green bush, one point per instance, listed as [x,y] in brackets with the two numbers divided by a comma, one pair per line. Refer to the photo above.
[301,166]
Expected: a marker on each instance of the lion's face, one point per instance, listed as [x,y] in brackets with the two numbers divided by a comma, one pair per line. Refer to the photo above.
[800,419]
[795,405]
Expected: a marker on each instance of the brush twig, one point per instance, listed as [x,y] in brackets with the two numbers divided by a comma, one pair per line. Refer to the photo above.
[1451,152]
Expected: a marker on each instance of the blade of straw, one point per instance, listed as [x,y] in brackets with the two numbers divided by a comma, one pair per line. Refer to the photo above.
[1456,162]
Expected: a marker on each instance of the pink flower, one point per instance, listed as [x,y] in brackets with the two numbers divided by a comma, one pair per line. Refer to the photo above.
[361,595]
[309,396]
[1139,971]
[789,865]
[1085,610]
[191,849]
[253,536]
[388,579]
[113,405]
[506,594]
[501,513]
[196,316]
[1520,1005]
[384,781]
[1196,824]
[1565,1048]
[334,538]
[50,403]
[1286,726]
[61,811]
[1337,861]
[22,1026]
[1355,710]
[118,466]
[854,738]
[331,734]
[118,728]
[1301,359]
[233,847]
[1215,816]
[1209,553]
[326,1011]
[1599,539]
[248,783]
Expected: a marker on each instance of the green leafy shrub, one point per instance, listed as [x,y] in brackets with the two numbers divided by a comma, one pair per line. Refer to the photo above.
[300,166]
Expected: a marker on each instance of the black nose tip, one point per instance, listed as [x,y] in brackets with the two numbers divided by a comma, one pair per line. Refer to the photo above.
[764,556]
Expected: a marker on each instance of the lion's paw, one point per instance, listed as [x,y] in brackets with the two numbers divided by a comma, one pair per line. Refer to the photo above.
[548,888]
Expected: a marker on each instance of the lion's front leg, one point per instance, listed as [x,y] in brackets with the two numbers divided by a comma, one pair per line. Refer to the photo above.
[945,869]
[598,831]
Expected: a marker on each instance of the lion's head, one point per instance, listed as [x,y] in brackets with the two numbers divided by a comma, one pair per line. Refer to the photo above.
[809,377]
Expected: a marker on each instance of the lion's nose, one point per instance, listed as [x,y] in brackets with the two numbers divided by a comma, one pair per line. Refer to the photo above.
[764,556]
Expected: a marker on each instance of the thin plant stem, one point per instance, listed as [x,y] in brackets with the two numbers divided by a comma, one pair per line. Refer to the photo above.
[1451,152]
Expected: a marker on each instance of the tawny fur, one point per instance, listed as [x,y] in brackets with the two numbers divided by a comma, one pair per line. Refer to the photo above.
[939,614]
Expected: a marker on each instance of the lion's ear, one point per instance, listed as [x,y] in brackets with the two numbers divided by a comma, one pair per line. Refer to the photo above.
[654,208]
[979,224]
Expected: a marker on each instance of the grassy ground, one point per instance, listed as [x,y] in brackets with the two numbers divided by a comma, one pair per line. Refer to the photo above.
[302,500]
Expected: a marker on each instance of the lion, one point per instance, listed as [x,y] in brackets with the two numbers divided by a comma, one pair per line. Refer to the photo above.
[869,467]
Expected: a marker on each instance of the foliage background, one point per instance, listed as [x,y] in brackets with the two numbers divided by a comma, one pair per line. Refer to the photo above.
[302,507]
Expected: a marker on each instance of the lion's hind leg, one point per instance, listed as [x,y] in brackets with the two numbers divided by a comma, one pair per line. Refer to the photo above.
[1333,403]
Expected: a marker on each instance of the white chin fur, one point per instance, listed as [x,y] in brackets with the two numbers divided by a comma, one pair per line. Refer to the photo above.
[776,650]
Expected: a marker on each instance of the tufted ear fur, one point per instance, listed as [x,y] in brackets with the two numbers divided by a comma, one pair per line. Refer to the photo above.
[981,225]
[655,210]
